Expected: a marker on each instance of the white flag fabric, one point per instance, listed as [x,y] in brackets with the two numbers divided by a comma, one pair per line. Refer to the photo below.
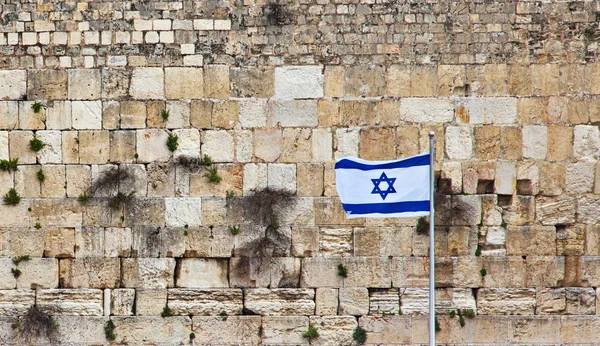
[378,189]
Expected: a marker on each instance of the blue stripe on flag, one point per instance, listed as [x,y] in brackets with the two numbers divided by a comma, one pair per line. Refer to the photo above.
[386,208]
[422,160]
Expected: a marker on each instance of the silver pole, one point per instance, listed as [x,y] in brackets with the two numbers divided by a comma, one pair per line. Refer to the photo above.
[431,242]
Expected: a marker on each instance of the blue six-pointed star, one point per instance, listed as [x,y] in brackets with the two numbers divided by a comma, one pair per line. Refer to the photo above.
[378,190]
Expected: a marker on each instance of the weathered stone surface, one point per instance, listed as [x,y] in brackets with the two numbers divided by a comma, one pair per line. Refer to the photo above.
[151,145]
[150,302]
[425,110]
[218,145]
[122,302]
[147,83]
[387,329]
[152,330]
[9,115]
[90,273]
[80,302]
[334,330]
[43,85]
[14,84]
[579,329]
[365,80]
[534,329]
[205,302]
[458,142]
[298,82]
[252,82]
[384,301]
[293,113]
[497,110]
[216,81]
[284,330]
[213,273]
[86,115]
[230,330]
[556,210]
[580,301]
[586,142]
[511,301]
[84,84]
[531,240]
[586,207]
[184,83]
[180,212]
[281,301]
[550,301]
[16,302]
[38,273]
[147,272]
[354,301]
[326,301]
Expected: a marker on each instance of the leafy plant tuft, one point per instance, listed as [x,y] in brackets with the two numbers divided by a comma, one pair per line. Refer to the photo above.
[41,176]
[36,107]
[36,145]
[311,333]
[172,142]
[9,165]
[422,225]
[109,331]
[12,197]
[167,312]
[212,175]
[37,324]
[342,271]
[165,114]
[234,230]
[359,335]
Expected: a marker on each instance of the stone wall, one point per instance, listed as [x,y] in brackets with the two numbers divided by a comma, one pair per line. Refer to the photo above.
[114,229]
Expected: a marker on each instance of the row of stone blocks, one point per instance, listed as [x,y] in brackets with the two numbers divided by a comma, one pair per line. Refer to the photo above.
[333,330]
[372,272]
[304,82]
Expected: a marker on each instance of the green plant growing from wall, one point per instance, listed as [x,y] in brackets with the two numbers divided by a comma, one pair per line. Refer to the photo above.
[9,165]
[223,315]
[19,259]
[483,272]
[234,230]
[107,183]
[83,198]
[172,142]
[36,145]
[212,175]
[478,251]
[503,224]
[311,333]
[41,177]
[12,197]
[342,271]
[36,107]
[15,272]
[229,194]
[437,326]
[38,225]
[167,312]
[422,225]
[109,330]
[359,335]
[164,114]
[37,324]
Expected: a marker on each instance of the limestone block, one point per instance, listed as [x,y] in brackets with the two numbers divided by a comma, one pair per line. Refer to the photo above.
[59,243]
[30,120]
[84,84]
[205,302]
[466,210]
[132,115]
[198,242]
[231,175]
[346,143]
[335,242]
[42,84]
[214,210]
[534,329]
[78,302]
[334,330]
[368,272]
[268,144]
[570,240]
[320,272]
[449,299]
[282,177]
[14,84]
[310,179]
[184,83]
[579,329]
[579,177]
[252,82]
[26,182]
[465,271]
[377,144]
[150,302]
[122,302]
[329,211]
[560,143]
[90,272]
[152,330]
[6,182]
[147,242]
[89,242]
[58,116]
[326,301]
[52,151]
[122,146]
[414,300]
[161,179]
[365,81]
[70,146]
[284,330]
[214,273]
[384,301]
[531,240]
[147,272]
[147,83]
[218,145]
[511,147]
[387,330]
[580,301]
[459,144]
[552,179]
[225,114]
[354,301]
[86,115]
[115,82]
[38,273]
[586,142]
[216,81]
[550,301]
[54,182]
[18,242]
[56,212]
[94,147]
[19,147]
[151,145]
[426,110]
[299,82]
[79,180]
[154,111]
[16,302]
[230,330]
[329,112]
[451,176]
[497,110]
[9,115]
[145,212]
[510,301]
[366,241]
[590,271]
[243,145]
[587,209]
[253,113]
[399,80]
[8,281]
[183,212]
[535,142]
[543,271]
[520,212]
[497,267]
[305,241]
[293,113]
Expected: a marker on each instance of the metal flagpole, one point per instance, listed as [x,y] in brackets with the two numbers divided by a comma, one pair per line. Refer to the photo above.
[431,242]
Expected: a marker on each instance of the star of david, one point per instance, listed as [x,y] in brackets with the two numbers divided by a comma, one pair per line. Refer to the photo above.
[378,190]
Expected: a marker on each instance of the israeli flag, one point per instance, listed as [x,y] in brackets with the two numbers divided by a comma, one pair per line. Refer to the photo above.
[376,189]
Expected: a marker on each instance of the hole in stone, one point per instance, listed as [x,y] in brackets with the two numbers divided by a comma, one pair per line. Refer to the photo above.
[524,187]
[560,227]
[504,200]
[485,186]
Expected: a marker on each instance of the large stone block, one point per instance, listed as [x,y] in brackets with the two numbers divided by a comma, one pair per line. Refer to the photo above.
[147,272]
[45,85]
[587,209]
[426,110]
[387,330]
[497,110]
[16,302]
[115,82]
[122,302]
[509,301]
[152,145]
[252,82]
[497,267]
[531,240]
[354,301]
[581,301]
[216,81]
[94,147]
[90,273]
[550,301]
[38,273]
[298,82]
[293,113]
[180,212]
[586,142]
[205,302]
[147,83]
[13,84]
[152,330]
[218,145]
[86,115]
[150,302]
[9,115]
[196,272]
[365,81]
[229,330]
[79,302]
[184,83]
[459,144]
[534,330]
[84,84]
[579,329]
[280,301]
[282,330]
[334,330]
